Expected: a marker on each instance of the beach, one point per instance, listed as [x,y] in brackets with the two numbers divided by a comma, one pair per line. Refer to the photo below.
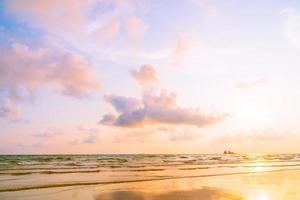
[153,177]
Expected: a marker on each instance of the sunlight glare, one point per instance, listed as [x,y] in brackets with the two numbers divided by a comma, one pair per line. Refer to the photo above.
[262,197]
[251,112]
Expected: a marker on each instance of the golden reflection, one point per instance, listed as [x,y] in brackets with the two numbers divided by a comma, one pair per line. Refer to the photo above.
[259,167]
[206,193]
[261,197]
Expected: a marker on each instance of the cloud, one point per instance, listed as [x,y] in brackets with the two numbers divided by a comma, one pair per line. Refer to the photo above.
[146,75]
[161,112]
[182,47]
[91,139]
[91,135]
[42,135]
[123,104]
[108,119]
[47,134]
[250,84]
[10,111]
[24,70]
[58,17]
[292,26]
[108,32]
[82,129]
[81,23]
[135,27]
[156,108]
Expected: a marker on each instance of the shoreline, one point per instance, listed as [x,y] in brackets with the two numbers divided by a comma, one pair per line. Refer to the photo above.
[252,186]
[135,181]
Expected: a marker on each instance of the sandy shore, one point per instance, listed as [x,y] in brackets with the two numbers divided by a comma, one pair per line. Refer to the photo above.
[258,186]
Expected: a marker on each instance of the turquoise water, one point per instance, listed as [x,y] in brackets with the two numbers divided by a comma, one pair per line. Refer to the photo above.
[23,172]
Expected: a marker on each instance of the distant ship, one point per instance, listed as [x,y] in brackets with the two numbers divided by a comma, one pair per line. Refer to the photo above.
[228,152]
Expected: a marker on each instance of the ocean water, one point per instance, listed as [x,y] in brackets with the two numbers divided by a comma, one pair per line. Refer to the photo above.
[25,172]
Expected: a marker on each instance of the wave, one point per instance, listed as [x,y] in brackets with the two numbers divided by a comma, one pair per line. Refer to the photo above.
[51,170]
[75,171]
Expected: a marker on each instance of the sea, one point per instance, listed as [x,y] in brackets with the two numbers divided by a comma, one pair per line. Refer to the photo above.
[26,172]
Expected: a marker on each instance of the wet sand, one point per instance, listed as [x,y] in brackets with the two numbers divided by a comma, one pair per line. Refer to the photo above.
[279,185]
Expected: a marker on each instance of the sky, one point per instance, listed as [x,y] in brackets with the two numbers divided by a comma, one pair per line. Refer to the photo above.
[149,76]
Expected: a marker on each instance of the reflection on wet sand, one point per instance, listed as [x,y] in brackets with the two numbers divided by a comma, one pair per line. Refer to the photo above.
[279,185]
[207,193]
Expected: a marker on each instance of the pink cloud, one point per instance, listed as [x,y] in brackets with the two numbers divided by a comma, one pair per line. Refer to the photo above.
[108,32]
[83,129]
[81,24]
[47,134]
[108,119]
[146,75]
[123,104]
[156,108]
[91,135]
[76,22]
[150,114]
[25,70]
[182,47]
[91,139]
[135,27]
[10,111]
[58,17]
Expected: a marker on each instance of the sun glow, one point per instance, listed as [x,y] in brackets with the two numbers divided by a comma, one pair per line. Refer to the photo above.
[251,112]
[261,197]
[259,167]
[250,115]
